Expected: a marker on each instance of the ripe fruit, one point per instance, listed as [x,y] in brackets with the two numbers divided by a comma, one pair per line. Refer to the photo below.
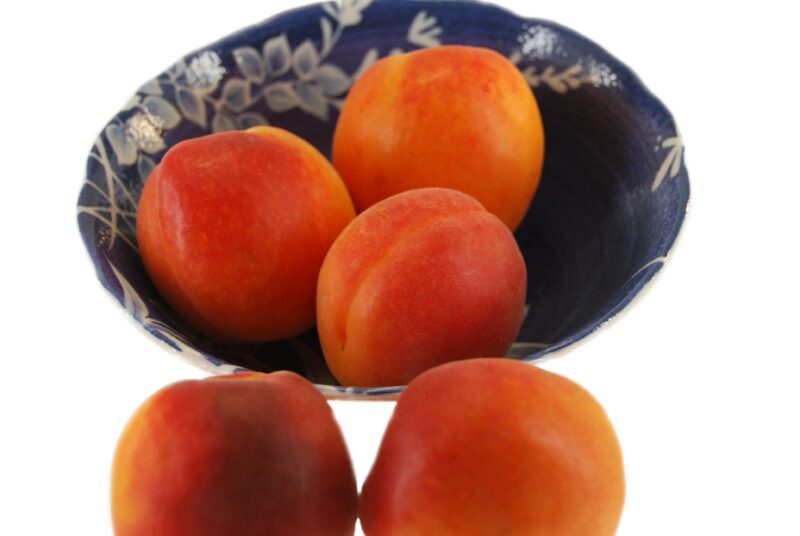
[454,117]
[495,446]
[255,455]
[233,228]
[421,278]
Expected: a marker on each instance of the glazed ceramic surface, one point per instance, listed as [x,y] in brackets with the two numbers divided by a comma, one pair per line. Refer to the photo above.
[612,199]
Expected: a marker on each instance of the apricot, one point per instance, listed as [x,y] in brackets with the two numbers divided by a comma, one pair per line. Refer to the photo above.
[495,446]
[453,116]
[418,279]
[233,228]
[251,456]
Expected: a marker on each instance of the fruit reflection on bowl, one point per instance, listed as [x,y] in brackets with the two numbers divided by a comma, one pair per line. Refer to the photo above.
[611,201]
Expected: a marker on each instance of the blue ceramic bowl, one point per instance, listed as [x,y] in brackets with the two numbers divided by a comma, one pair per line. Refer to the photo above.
[612,199]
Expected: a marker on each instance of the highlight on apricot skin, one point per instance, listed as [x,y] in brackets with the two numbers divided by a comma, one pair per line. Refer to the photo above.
[249,454]
[495,446]
[453,117]
[421,278]
[233,228]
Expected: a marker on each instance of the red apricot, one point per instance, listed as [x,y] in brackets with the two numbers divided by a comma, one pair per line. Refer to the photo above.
[251,456]
[233,228]
[421,278]
[495,446]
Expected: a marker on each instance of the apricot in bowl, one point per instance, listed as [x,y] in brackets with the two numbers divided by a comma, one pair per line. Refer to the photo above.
[233,228]
[451,117]
[421,278]
[612,196]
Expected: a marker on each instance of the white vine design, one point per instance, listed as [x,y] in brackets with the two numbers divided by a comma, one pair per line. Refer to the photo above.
[586,71]
[118,209]
[559,82]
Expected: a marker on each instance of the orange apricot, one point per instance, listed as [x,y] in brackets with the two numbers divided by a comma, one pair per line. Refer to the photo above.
[418,279]
[495,446]
[453,116]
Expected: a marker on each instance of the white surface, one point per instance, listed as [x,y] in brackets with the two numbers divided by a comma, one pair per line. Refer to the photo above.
[700,378]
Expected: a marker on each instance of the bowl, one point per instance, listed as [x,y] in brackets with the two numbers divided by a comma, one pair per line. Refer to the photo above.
[613,195]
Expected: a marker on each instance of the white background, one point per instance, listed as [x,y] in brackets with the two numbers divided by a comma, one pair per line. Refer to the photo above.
[700,377]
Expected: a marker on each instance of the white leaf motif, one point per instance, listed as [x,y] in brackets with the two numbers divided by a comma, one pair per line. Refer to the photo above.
[131,300]
[177,69]
[277,55]
[529,73]
[305,60]
[676,162]
[151,87]
[554,81]
[145,167]
[250,120]
[672,162]
[191,106]
[123,147]
[350,12]
[349,18]
[370,57]
[331,8]
[166,113]
[561,82]
[236,94]
[250,65]
[423,31]
[222,122]
[313,101]
[571,76]
[281,97]
[327,33]
[332,80]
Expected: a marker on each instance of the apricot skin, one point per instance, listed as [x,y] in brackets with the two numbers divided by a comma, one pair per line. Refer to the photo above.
[495,447]
[453,117]
[233,228]
[424,277]
[255,455]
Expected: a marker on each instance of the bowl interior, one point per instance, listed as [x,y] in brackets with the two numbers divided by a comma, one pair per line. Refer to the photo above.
[612,198]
